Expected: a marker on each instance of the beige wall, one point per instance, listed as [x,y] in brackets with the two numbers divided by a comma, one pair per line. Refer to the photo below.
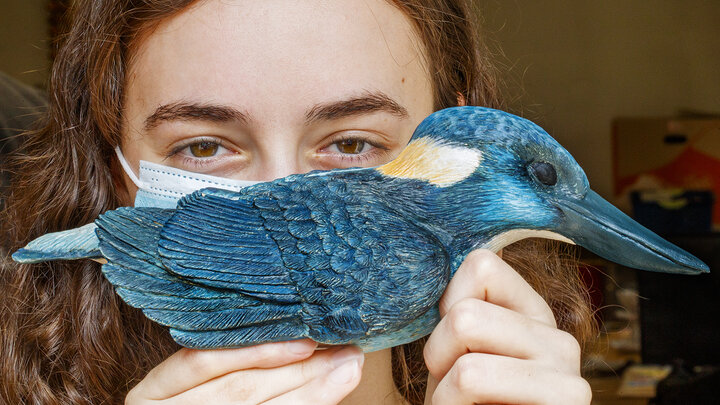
[23,43]
[582,63]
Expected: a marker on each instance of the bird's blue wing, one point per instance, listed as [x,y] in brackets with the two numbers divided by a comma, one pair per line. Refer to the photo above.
[198,316]
[330,248]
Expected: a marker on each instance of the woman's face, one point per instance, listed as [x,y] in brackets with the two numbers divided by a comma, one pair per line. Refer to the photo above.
[258,90]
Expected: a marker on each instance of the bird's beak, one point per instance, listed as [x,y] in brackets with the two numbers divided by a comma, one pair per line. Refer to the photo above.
[603,229]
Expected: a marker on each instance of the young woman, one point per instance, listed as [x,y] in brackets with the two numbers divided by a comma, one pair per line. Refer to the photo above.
[259,90]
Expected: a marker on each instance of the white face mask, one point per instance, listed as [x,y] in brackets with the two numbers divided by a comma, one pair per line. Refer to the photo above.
[162,186]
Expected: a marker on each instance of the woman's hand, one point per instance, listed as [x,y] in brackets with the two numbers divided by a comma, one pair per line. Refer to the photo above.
[498,342]
[273,373]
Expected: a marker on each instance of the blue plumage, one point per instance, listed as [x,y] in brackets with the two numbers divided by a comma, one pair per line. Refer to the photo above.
[331,263]
[356,256]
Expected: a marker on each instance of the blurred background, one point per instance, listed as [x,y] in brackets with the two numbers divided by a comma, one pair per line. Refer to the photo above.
[632,90]
[25,39]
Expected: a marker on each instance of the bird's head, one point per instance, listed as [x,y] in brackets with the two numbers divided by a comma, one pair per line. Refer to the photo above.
[503,178]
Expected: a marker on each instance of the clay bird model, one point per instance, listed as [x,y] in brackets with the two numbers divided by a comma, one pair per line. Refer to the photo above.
[355,256]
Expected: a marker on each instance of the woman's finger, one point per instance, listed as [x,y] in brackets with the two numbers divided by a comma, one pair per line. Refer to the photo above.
[188,368]
[255,386]
[486,276]
[329,388]
[473,325]
[490,379]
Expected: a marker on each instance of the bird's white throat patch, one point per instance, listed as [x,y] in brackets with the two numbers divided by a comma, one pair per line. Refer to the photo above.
[431,160]
[510,237]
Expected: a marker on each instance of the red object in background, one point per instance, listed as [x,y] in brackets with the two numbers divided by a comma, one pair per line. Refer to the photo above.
[690,167]
[663,153]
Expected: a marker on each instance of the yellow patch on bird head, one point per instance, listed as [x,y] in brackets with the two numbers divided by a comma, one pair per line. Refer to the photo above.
[431,160]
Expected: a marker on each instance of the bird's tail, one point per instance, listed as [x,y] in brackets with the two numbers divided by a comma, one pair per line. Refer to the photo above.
[78,243]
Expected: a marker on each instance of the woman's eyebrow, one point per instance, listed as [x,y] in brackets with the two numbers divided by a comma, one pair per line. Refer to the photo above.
[185,111]
[366,103]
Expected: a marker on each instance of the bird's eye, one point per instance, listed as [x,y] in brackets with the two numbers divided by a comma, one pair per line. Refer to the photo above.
[544,172]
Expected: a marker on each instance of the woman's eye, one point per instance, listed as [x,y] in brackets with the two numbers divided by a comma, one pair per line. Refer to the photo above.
[353,149]
[207,155]
[199,151]
[204,149]
[351,146]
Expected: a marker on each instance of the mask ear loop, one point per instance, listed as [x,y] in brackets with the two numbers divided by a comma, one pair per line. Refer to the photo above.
[129,171]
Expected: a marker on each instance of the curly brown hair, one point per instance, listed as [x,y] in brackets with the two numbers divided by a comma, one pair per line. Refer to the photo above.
[66,337]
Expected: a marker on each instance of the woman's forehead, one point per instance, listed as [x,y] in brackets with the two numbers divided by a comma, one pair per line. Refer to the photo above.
[250,52]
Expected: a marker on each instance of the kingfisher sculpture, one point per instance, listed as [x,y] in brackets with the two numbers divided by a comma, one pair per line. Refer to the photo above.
[355,256]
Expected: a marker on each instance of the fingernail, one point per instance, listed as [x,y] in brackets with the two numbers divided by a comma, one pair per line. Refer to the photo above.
[343,356]
[300,346]
[344,373]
